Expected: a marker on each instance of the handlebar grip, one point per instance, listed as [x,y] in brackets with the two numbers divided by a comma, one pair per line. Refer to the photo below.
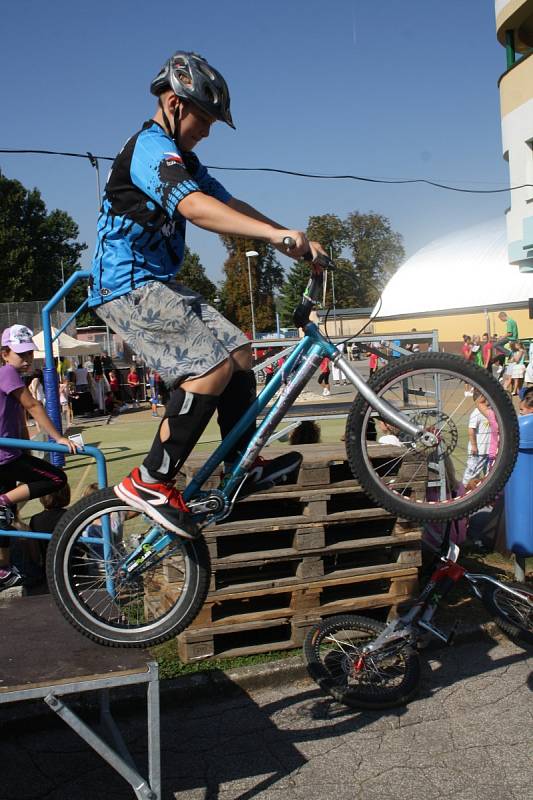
[323,261]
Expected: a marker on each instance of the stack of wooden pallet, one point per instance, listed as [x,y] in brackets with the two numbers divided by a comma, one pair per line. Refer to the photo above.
[293,554]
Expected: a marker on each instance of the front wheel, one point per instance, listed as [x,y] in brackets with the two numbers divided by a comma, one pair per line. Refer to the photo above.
[467,455]
[513,613]
[126,583]
[335,658]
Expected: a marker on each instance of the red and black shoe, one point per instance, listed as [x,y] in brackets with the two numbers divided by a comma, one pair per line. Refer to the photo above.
[162,502]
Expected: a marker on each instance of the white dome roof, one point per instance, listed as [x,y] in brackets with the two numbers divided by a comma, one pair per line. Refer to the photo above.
[465,269]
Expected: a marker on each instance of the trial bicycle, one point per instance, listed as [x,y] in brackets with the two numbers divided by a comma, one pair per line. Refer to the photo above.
[366,664]
[123,580]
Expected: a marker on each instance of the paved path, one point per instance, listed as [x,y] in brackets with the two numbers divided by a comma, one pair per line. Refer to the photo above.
[469,736]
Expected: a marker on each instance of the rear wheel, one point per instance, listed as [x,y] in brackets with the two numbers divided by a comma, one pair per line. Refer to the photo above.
[117,598]
[512,613]
[440,479]
[334,657]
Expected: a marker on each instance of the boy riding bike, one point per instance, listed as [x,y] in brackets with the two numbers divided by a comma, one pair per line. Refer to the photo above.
[156,184]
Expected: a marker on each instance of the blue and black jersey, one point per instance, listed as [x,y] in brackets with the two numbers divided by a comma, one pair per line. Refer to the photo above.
[141,234]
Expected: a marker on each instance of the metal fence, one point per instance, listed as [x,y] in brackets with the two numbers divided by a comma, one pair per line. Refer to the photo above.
[29,314]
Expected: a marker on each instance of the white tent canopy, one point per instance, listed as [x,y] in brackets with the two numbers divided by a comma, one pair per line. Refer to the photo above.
[466,269]
[65,345]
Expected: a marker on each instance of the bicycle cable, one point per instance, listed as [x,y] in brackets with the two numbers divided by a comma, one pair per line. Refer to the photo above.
[373,316]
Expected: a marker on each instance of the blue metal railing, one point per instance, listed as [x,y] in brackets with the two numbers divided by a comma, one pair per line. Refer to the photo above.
[53,447]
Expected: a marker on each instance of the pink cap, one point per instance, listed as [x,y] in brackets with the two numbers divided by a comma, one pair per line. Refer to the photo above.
[18,338]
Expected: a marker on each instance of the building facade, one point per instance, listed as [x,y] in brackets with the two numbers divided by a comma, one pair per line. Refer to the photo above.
[514,27]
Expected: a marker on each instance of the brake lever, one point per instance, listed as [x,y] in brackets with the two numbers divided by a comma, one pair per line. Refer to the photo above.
[321,260]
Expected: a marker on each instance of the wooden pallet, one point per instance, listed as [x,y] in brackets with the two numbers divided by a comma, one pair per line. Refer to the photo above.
[290,536]
[324,465]
[291,555]
[244,639]
[342,589]
[292,610]
[283,567]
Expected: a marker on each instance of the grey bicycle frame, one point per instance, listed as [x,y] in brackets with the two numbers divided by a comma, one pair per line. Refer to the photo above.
[403,627]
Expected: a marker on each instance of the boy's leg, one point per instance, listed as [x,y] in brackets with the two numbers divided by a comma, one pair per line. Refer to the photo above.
[150,487]
[233,403]
[187,342]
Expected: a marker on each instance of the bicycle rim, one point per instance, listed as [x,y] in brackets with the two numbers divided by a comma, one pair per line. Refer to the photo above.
[335,657]
[516,611]
[140,602]
[447,479]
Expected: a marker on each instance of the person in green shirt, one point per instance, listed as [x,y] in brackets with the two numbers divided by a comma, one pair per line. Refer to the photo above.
[511,333]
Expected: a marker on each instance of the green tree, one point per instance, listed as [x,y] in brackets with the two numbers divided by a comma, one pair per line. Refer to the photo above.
[36,247]
[266,275]
[292,290]
[376,252]
[192,274]
[330,231]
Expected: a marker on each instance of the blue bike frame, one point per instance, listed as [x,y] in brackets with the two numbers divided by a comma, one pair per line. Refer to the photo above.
[300,366]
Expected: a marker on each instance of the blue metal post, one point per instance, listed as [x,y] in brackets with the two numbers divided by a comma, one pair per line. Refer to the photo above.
[51,388]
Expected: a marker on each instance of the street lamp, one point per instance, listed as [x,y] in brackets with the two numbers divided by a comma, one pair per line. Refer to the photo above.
[251,254]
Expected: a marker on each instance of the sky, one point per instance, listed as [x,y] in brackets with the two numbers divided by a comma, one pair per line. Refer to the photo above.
[394,89]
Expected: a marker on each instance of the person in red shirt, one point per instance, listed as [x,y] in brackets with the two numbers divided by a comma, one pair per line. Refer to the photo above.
[373,361]
[466,348]
[486,352]
[114,384]
[324,376]
[134,385]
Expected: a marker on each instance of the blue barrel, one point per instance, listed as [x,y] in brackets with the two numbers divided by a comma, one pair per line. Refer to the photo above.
[519,494]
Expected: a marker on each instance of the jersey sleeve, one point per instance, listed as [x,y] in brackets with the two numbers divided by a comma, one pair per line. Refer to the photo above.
[211,186]
[158,170]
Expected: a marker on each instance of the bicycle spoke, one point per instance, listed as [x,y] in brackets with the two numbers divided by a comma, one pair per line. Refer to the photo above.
[110,593]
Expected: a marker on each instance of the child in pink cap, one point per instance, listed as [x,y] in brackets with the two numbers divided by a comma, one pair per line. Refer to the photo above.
[22,476]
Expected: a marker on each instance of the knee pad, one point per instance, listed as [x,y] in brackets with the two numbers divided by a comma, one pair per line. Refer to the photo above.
[187,415]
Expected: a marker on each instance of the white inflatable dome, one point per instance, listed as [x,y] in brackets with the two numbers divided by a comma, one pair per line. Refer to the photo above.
[465,269]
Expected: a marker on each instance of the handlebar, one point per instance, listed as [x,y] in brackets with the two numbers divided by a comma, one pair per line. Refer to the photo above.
[313,290]
[320,260]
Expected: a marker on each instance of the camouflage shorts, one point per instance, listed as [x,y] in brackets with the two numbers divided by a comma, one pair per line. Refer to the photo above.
[172,329]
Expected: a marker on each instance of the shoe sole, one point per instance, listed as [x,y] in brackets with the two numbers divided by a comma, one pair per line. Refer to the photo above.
[271,480]
[152,512]
[11,583]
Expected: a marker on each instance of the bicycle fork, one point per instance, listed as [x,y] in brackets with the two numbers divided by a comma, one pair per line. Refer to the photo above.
[420,615]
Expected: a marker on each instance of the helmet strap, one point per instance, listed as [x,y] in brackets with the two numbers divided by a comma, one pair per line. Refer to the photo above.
[177,118]
[176,133]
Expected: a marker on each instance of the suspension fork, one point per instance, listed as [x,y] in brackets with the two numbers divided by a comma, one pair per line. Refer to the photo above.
[384,409]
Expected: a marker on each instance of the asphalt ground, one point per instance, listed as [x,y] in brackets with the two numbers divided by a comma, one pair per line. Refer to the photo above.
[469,735]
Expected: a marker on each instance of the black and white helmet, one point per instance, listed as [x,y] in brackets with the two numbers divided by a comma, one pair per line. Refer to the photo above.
[191,77]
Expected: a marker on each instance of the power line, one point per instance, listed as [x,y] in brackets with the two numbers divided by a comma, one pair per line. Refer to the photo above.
[93,160]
